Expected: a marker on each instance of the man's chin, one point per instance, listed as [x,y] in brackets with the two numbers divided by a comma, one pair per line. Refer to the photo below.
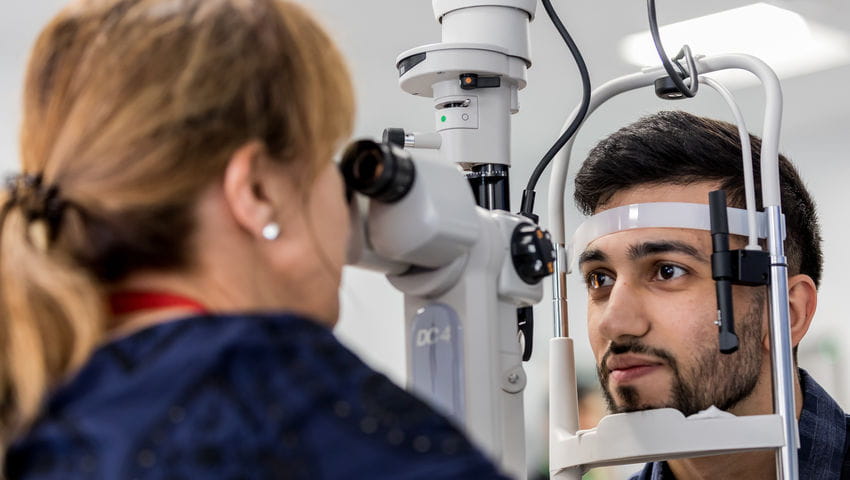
[637,408]
[629,399]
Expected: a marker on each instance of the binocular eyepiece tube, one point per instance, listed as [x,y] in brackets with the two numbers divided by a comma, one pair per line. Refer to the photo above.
[380,171]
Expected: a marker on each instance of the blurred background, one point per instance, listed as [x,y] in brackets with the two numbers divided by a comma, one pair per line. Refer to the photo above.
[806,41]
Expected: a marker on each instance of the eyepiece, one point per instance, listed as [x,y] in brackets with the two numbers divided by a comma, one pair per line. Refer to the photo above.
[377,170]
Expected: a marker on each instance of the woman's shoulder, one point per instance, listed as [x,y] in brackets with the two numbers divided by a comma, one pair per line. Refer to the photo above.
[134,392]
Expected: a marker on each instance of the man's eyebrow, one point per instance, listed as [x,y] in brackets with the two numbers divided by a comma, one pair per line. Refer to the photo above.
[646,249]
[593,255]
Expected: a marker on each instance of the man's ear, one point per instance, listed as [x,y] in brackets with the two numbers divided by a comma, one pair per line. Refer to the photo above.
[802,302]
[243,191]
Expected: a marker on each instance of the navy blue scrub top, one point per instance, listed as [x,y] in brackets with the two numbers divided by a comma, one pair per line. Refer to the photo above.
[238,397]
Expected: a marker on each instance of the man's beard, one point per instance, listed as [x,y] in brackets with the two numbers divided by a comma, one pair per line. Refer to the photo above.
[714,379]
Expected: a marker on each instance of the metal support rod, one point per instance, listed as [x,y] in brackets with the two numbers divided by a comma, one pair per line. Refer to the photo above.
[780,348]
[490,185]
[561,324]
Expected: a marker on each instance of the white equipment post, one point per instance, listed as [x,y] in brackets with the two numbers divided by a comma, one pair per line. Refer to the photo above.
[488,39]
[461,285]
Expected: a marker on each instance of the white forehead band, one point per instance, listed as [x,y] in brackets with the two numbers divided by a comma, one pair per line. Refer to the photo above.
[658,215]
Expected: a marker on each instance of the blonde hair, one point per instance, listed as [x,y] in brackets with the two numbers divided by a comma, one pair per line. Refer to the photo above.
[131,109]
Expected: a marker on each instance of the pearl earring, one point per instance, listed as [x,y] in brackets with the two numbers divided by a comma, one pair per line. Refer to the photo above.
[271,231]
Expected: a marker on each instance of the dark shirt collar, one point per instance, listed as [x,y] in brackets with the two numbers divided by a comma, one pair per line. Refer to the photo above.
[823,430]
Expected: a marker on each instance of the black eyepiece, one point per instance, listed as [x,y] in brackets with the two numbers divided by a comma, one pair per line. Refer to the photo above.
[377,170]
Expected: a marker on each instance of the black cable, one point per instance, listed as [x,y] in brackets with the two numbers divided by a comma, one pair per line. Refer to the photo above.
[668,66]
[528,195]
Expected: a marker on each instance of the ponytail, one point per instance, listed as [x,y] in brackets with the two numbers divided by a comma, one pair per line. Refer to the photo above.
[51,312]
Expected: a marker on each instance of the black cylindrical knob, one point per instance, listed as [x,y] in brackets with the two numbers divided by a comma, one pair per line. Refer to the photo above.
[394,136]
[666,88]
[533,253]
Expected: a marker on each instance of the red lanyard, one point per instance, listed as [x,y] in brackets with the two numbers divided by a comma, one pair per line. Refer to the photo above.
[123,303]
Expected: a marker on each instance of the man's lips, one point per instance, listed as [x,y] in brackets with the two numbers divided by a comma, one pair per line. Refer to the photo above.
[627,367]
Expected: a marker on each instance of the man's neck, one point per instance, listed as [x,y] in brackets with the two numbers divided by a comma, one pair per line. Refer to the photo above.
[738,465]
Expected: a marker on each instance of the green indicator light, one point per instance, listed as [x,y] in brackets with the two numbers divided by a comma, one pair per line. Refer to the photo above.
[443,118]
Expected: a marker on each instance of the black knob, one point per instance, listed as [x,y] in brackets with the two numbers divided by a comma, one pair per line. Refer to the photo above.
[665,88]
[533,253]
[394,136]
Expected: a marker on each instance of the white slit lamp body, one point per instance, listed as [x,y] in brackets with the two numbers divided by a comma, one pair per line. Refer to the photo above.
[453,260]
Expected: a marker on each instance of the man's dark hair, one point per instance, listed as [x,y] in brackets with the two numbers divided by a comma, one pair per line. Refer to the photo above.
[680,149]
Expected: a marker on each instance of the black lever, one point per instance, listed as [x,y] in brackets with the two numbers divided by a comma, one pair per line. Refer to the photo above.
[721,270]
[525,323]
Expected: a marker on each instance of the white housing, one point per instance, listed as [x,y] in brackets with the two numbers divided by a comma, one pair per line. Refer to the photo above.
[502,23]
[430,226]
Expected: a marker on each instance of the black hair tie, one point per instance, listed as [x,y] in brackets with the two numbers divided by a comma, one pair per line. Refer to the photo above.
[38,202]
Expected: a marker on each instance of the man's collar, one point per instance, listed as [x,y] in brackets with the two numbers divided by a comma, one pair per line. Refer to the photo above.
[823,431]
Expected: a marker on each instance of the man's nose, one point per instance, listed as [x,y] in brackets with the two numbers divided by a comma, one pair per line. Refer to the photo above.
[624,314]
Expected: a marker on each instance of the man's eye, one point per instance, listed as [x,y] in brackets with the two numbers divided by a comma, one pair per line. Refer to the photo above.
[669,272]
[599,279]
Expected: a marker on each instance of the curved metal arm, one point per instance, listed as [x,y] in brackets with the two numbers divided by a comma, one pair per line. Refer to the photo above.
[603,93]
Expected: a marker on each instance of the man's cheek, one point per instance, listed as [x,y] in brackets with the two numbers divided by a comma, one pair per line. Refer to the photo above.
[597,344]
[592,329]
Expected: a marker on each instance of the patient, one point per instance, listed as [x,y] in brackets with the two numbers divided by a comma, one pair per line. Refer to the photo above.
[171,253]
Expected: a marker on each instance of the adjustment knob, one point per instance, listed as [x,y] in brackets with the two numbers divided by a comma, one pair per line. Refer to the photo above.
[394,136]
[533,253]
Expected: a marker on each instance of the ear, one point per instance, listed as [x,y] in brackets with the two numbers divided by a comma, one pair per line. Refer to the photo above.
[243,191]
[802,303]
